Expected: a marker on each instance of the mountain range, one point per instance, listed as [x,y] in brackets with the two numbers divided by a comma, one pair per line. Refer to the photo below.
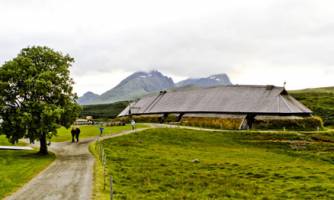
[139,84]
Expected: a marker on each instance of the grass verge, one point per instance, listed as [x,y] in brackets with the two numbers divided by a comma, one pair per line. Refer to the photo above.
[98,192]
[19,167]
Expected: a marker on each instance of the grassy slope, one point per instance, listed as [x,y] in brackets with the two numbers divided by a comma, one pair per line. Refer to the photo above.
[104,110]
[319,100]
[90,131]
[18,167]
[157,164]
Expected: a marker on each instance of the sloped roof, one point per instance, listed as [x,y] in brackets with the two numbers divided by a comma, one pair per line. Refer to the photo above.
[221,99]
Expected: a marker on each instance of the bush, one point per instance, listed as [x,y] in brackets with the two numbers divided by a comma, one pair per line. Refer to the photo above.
[306,123]
[212,122]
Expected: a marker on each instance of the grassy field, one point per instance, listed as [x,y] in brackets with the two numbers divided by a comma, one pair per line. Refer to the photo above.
[91,131]
[319,100]
[188,164]
[18,167]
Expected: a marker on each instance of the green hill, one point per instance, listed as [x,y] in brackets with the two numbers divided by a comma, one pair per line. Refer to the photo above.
[103,110]
[319,100]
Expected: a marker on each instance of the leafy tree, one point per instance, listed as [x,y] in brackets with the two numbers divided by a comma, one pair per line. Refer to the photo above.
[36,95]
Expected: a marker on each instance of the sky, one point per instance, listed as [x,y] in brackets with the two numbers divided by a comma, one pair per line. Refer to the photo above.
[254,42]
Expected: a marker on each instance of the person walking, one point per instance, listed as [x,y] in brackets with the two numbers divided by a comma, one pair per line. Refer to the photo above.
[101,130]
[73,132]
[133,124]
[77,133]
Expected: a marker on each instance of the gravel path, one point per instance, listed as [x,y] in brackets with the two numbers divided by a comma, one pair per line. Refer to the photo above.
[70,176]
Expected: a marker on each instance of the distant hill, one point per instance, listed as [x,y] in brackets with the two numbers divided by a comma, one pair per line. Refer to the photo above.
[87,98]
[313,90]
[214,80]
[103,110]
[319,100]
[134,86]
[142,83]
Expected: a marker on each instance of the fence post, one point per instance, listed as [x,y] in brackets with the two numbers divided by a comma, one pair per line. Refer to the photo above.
[111,189]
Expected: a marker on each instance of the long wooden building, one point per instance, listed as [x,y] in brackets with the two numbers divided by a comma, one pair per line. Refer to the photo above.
[244,100]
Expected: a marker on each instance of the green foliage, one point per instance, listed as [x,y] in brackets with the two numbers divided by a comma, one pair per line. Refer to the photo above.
[36,95]
[161,164]
[306,123]
[212,122]
[319,100]
[104,110]
[19,167]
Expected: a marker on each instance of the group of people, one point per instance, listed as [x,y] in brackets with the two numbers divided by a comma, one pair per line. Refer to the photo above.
[76,131]
[75,134]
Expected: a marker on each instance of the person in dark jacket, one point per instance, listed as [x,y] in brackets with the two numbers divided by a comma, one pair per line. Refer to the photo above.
[77,133]
[73,132]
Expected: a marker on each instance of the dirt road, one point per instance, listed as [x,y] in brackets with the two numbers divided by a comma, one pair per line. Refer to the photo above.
[70,176]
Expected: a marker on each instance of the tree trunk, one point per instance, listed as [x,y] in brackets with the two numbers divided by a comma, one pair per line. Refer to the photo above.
[43,146]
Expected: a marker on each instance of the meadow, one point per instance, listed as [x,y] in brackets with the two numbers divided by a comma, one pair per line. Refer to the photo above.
[87,131]
[171,163]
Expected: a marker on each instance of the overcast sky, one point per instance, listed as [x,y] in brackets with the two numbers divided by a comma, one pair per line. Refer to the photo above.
[254,42]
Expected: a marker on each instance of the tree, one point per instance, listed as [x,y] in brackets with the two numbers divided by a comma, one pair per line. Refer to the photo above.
[36,95]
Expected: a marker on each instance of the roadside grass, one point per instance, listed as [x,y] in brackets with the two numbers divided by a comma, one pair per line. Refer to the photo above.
[87,131]
[171,163]
[19,167]
[99,192]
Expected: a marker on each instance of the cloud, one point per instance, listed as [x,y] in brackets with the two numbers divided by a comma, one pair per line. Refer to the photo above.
[262,40]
